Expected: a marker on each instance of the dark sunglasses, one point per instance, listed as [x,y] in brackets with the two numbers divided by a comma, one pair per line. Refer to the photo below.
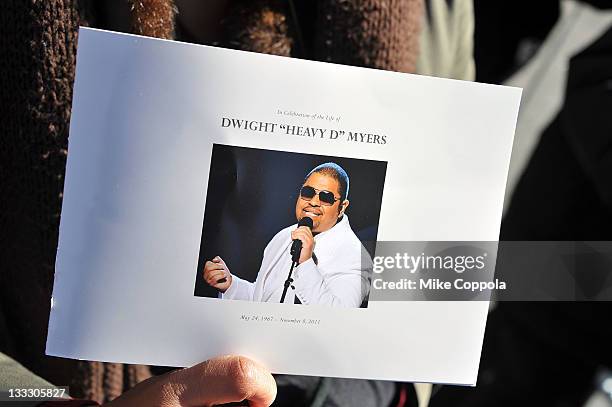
[325,197]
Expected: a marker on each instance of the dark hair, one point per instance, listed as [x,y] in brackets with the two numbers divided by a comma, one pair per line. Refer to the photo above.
[336,172]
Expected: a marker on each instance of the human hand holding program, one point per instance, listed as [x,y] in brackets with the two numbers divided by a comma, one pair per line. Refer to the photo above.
[221,380]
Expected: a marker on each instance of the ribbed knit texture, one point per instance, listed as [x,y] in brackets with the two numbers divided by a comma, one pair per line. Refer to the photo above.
[37,44]
[38,47]
[372,33]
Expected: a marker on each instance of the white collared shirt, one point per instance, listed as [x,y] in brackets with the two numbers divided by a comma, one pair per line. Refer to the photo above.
[341,276]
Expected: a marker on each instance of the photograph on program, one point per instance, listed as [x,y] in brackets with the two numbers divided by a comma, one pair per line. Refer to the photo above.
[290,228]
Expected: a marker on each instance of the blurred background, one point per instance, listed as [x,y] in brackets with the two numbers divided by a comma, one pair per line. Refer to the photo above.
[559,185]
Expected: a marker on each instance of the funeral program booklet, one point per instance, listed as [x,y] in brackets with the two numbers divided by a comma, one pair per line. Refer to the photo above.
[227,202]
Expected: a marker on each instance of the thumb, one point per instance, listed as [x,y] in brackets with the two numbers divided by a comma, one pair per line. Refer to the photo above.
[230,379]
[220,380]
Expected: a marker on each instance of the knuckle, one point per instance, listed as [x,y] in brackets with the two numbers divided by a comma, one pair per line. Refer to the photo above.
[243,373]
[172,392]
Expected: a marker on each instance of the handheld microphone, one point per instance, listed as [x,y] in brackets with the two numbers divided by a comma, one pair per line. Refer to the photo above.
[296,246]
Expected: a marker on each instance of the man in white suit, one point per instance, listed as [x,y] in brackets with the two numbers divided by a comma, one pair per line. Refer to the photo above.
[337,275]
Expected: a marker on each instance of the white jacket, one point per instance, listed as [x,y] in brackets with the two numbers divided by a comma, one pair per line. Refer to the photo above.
[340,277]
